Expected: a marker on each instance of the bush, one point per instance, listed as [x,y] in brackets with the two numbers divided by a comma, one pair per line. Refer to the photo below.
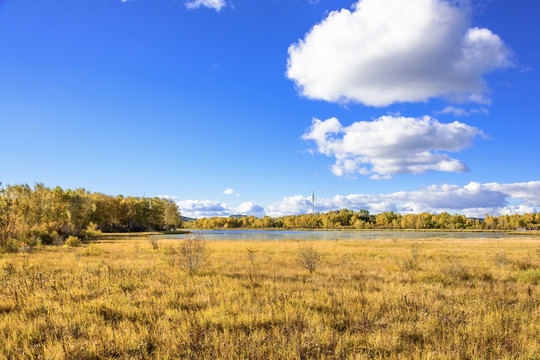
[529,276]
[73,241]
[309,258]
[93,250]
[9,246]
[41,235]
[91,231]
[154,241]
[168,250]
[409,263]
[193,253]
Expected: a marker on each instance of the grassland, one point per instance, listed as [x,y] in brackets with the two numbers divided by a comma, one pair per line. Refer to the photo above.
[428,299]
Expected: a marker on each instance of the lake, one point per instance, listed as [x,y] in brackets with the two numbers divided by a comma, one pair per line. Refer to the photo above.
[335,235]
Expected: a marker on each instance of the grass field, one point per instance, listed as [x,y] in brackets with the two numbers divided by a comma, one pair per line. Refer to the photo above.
[428,299]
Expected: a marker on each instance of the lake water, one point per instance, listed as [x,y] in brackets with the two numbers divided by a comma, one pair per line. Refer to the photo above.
[336,235]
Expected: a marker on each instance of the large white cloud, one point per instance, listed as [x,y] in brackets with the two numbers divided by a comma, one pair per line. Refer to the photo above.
[212,4]
[391,145]
[473,199]
[387,51]
[528,191]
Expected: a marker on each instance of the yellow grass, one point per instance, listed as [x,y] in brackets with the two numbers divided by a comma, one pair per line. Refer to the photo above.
[426,299]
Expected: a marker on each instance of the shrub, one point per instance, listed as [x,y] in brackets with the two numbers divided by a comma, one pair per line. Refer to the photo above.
[308,257]
[409,263]
[91,231]
[529,276]
[41,235]
[24,248]
[9,246]
[73,241]
[193,253]
[154,241]
[457,270]
[501,259]
[92,250]
[168,250]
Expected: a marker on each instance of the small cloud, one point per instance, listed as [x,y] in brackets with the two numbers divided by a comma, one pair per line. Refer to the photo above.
[203,208]
[228,191]
[250,208]
[454,111]
[457,111]
[480,111]
[168,197]
[208,208]
[211,4]
[525,69]
[380,177]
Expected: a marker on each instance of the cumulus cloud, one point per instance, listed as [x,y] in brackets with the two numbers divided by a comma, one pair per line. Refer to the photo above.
[391,145]
[212,4]
[528,191]
[250,208]
[387,51]
[208,208]
[203,208]
[228,191]
[474,199]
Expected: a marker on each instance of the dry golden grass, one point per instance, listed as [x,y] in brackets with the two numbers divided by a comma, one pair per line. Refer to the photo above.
[428,299]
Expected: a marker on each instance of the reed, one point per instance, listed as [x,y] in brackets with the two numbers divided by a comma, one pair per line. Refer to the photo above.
[423,299]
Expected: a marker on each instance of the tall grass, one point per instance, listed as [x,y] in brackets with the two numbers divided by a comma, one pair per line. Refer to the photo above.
[436,299]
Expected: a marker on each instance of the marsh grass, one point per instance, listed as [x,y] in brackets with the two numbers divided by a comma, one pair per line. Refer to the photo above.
[130,303]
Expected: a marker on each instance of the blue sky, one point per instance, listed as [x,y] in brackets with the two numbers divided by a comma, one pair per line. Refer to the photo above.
[161,98]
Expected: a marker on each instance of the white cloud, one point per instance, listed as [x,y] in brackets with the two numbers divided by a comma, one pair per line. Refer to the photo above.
[528,191]
[212,4]
[293,205]
[228,191]
[387,51]
[208,208]
[458,111]
[250,208]
[168,197]
[203,208]
[473,199]
[391,145]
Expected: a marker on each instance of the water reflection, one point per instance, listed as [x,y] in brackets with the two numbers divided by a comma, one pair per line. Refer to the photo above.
[337,235]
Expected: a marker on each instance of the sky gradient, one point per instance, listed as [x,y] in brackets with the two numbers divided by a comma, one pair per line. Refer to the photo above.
[246,107]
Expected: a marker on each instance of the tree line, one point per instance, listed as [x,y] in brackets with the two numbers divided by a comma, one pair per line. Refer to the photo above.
[43,215]
[362,219]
